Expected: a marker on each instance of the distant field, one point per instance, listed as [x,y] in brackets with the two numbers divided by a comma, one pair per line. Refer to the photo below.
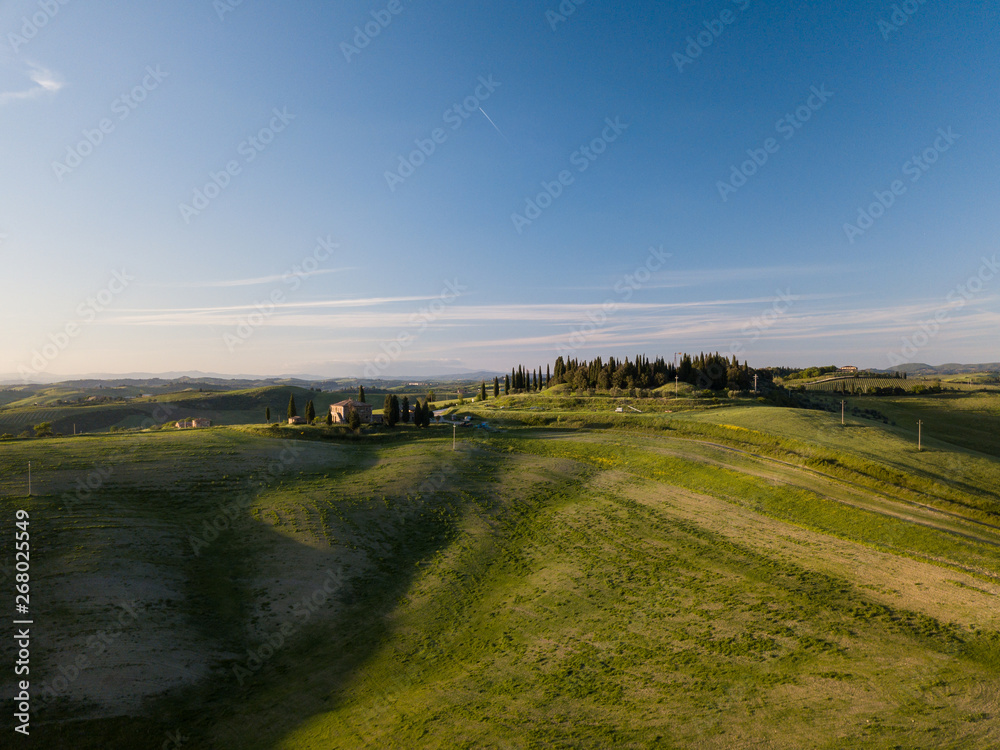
[223,408]
[704,573]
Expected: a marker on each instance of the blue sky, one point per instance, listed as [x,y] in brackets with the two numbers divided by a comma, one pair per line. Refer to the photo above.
[240,188]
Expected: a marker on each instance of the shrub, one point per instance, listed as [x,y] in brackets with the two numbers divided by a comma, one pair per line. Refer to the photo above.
[353,420]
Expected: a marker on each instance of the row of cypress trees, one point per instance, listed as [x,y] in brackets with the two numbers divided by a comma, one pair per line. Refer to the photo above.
[394,411]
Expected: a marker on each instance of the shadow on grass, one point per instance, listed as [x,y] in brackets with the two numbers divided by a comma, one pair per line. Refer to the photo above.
[322,648]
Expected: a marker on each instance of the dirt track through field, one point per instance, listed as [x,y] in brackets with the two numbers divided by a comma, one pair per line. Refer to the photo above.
[864,497]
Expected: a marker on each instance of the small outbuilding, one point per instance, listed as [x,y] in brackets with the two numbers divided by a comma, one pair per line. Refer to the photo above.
[188,424]
[296,420]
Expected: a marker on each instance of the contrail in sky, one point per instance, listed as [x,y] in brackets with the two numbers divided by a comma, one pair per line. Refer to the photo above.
[494,126]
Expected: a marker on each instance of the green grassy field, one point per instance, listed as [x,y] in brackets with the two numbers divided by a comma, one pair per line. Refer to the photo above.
[700,574]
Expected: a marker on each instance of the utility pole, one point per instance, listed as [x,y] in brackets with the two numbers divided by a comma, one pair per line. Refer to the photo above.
[454,428]
[677,378]
[920,425]
[842,405]
[755,382]
[29,478]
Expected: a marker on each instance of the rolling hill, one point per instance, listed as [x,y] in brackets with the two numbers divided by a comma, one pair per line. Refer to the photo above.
[695,573]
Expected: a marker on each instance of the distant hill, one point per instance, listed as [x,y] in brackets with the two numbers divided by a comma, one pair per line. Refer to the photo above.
[203,379]
[122,407]
[248,381]
[98,405]
[950,368]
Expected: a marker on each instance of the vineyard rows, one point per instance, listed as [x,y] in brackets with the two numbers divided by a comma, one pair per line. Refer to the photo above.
[864,384]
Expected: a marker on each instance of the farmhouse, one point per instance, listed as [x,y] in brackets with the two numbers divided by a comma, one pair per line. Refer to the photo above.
[188,424]
[847,368]
[339,411]
[296,420]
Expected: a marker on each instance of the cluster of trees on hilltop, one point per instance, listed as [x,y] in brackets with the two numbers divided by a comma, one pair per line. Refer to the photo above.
[706,371]
[527,380]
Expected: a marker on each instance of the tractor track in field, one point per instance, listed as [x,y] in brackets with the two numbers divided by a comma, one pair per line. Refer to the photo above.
[863,489]
[858,488]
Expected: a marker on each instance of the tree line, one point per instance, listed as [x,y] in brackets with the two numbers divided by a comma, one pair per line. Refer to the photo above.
[705,371]
[395,411]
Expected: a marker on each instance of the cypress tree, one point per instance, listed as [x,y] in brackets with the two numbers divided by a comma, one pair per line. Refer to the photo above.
[267,414]
[361,394]
[329,418]
[292,412]
[560,369]
[387,411]
[390,410]
[406,410]
[310,411]
[496,387]
[482,390]
[353,420]
[506,385]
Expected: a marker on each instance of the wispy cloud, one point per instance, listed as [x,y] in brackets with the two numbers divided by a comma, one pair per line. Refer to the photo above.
[684,278]
[250,282]
[816,324]
[374,313]
[45,82]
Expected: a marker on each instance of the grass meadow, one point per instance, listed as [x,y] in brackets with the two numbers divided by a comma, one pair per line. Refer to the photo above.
[694,575]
